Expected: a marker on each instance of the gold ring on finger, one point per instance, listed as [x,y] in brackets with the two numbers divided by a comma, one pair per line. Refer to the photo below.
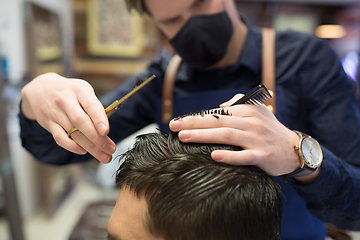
[74,129]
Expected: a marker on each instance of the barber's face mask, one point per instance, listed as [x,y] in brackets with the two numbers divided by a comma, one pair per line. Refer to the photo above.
[204,39]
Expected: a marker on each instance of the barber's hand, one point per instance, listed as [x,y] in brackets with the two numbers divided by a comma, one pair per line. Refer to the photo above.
[59,104]
[266,142]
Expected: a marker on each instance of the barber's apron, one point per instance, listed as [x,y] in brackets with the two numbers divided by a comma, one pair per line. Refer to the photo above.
[297,222]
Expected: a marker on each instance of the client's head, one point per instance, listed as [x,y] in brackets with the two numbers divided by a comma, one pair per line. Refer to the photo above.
[171,190]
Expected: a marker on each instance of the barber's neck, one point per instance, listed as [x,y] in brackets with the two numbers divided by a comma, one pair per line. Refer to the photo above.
[235,46]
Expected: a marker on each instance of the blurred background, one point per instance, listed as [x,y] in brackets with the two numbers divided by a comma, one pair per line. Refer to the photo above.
[99,41]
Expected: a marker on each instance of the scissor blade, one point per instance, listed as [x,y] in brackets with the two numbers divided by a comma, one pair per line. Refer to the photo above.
[117,104]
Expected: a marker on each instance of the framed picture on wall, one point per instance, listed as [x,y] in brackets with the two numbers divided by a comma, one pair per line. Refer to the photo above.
[43,40]
[112,30]
[46,34]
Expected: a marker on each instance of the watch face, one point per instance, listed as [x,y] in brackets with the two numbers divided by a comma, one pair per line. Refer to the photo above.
[311,152]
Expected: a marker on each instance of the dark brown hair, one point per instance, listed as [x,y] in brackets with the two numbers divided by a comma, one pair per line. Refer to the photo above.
[192,197]
[137,5]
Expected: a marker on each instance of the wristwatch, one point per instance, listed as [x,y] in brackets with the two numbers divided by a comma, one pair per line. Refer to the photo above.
[310,154]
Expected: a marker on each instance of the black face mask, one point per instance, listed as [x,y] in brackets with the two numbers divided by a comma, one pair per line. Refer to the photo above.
[204,39]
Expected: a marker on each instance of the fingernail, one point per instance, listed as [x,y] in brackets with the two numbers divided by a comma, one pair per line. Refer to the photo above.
[109,159]
[224,104]
[175,125]
[109,148]
[81,151]
[217,156]
[184,135]
[102,129]
[104,158]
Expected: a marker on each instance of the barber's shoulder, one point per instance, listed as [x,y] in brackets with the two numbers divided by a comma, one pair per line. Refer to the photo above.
[291,37]
[301,46]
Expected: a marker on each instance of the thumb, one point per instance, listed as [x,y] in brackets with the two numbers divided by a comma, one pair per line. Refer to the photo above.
[232,100]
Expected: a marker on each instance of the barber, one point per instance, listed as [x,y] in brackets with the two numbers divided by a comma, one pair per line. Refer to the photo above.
[314,96]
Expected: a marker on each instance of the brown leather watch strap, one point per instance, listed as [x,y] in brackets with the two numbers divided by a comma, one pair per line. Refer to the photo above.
[268,65]
[168,88]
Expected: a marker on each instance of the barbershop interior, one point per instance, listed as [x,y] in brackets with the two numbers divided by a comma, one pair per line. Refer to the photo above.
[100,42]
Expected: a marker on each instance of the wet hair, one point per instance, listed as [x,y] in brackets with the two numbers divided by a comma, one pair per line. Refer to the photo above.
[192,197]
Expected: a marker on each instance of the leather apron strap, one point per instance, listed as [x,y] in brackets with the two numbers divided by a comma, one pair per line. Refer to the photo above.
[268,75]
[168,88]
[268,65]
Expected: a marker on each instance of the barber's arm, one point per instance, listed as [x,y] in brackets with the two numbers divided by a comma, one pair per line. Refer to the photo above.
[326,108]
[332,192]
[53,104]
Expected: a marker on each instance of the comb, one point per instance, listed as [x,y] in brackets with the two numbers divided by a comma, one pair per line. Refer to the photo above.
[212,112]
[256,96]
